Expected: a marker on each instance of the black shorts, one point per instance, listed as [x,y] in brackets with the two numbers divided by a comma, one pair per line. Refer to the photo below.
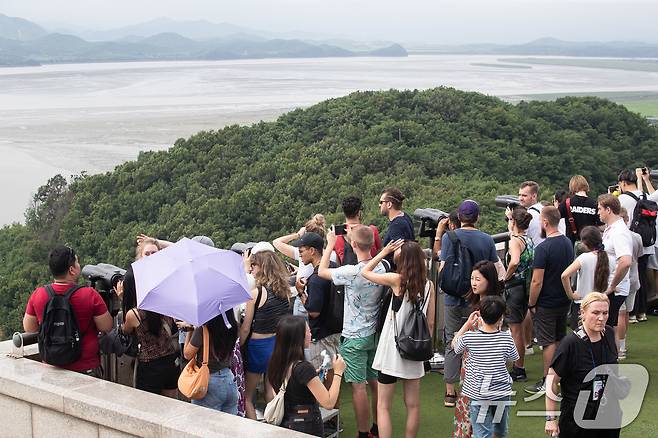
[615,304]
[550,324]
[517,302]
[386,379]
[158,374]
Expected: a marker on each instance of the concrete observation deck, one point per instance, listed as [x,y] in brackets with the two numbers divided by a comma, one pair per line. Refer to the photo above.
[38,400]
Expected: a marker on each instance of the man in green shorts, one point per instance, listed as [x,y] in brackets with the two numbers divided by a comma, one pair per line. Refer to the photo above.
[359,338]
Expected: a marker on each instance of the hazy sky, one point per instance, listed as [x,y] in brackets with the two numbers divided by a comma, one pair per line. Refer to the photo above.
[437,21]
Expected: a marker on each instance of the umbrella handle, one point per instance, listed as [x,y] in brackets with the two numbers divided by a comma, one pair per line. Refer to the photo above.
[221,310]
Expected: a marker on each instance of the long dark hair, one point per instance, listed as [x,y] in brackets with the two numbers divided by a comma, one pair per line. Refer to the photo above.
[494,286]
[152,320]
[412,268]
[593,240]
[288,348]
[222,338]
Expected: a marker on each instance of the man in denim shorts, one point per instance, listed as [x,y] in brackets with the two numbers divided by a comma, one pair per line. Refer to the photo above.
[359,338]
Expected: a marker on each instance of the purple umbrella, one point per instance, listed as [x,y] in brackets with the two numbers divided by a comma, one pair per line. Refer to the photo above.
[191,281]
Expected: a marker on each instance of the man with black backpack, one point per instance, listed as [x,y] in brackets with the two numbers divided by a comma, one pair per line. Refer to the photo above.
[636,202]
[322,302]
[359,338]
[67,317]
[461,249]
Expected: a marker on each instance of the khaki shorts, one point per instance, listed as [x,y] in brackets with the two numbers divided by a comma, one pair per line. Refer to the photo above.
[330,343]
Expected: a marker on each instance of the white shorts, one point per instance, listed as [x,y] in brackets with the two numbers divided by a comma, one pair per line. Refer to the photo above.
[629,302]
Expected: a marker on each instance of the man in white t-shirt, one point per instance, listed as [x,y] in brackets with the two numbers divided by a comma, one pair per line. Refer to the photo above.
[618,243]
[358,342]
[528,194]
[622,327]
[630,194]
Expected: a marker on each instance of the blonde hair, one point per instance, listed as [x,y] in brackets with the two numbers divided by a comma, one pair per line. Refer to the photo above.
[317,224]
[272,274]
[578,183]
[140,247]
[592,297]
[363,237]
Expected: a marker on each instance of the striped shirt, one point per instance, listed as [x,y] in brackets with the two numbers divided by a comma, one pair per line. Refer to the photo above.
[486,376]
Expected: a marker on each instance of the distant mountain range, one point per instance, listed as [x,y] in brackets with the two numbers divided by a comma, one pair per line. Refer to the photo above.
[547,47]
[25,43]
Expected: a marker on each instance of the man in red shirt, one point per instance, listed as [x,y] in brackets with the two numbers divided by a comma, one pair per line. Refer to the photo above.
[88,306]
[353,210]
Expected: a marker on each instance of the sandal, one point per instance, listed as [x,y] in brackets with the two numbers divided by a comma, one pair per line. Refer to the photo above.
[450,400]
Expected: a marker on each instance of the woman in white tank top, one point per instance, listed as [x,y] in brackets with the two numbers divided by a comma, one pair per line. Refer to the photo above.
[409,285]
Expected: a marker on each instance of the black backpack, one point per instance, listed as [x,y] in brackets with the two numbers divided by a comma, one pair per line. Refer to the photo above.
[414,341]
[60,340]
[349,256]
[455,278]
[334,307]
[644,219]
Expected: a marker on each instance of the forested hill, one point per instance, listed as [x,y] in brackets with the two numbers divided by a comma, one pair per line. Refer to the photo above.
[257,182]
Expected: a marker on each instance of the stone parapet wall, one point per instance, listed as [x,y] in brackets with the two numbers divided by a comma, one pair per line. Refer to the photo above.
[37,400]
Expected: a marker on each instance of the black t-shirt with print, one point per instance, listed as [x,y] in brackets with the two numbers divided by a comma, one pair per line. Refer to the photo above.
[584,212]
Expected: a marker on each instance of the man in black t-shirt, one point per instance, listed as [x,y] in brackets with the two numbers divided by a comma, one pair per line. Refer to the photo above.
[401,226]
[315,298]
[548,301]
[581,210]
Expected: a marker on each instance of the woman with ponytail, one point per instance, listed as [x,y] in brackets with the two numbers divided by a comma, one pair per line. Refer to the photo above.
[593,267]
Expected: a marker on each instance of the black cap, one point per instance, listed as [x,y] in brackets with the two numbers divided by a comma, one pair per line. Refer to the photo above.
[310,239]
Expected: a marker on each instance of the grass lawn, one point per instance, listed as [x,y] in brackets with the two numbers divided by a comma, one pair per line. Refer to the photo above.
[643,102]
[436,421]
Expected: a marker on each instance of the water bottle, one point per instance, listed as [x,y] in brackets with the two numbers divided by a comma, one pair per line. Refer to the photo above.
[326,362]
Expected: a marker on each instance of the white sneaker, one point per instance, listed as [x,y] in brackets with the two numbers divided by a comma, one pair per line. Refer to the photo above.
[529,351]
[642,317]
[621,355]
[632,320]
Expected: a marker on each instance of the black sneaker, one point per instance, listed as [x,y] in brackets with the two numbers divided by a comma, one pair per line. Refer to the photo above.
[518,374]
[536,388]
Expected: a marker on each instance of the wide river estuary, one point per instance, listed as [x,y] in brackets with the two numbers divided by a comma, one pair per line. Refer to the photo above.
[90,117]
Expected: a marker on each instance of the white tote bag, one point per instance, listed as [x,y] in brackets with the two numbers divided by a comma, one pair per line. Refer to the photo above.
[276,407]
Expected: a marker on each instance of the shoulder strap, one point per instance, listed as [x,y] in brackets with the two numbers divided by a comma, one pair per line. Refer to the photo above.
[136,312]
[632,195]
[49,290]
[572,222]
[206,342]
[453,237]
[253,318]
[534,208]
[284,385]
[71,291]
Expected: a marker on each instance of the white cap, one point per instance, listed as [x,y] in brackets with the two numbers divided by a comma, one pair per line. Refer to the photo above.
[205,240]
[262,246]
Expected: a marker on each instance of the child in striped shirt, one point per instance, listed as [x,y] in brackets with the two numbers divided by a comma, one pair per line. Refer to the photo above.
[487,382]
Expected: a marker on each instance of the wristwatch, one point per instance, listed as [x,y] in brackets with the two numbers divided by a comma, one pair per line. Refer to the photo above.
[551,418]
